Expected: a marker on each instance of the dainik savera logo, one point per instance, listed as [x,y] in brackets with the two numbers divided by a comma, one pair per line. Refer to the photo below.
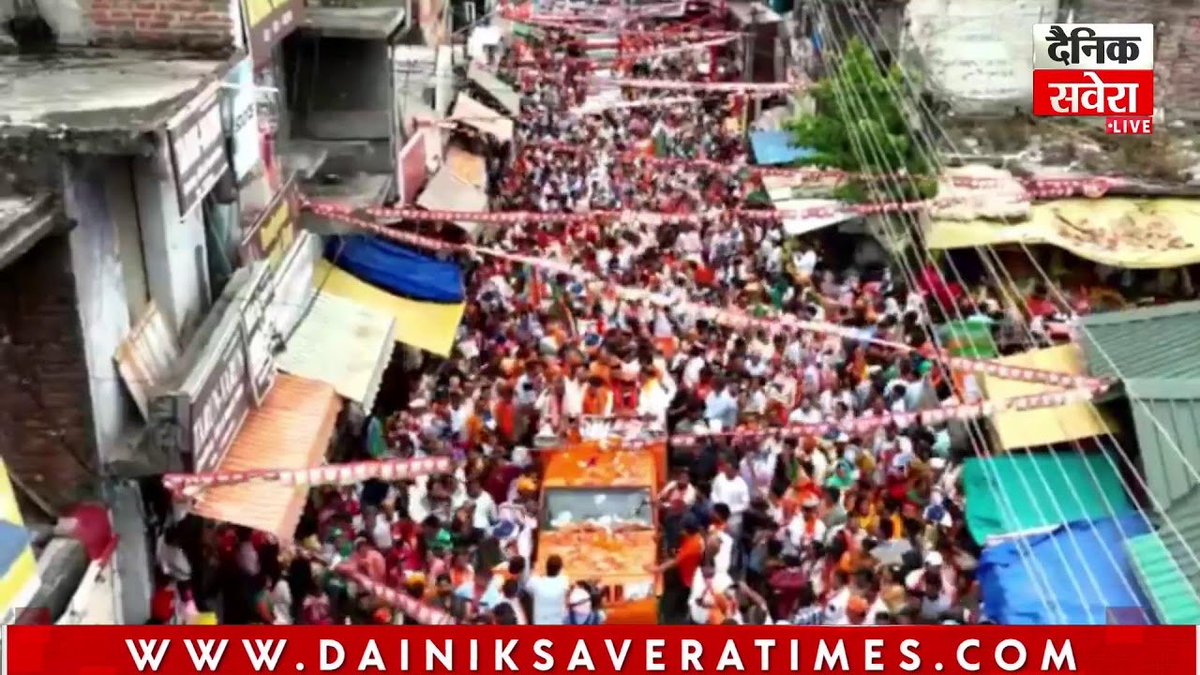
[1096,70]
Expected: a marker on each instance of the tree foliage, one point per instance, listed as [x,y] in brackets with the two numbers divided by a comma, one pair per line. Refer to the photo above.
[859,126]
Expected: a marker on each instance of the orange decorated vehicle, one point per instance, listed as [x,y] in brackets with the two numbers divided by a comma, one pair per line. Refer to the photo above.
[598,513]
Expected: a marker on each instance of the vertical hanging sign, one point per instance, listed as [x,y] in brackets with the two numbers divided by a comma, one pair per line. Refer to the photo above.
[267,23]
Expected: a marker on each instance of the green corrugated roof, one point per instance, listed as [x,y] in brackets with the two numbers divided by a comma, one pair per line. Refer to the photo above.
[1154,352]
[1158,574]
[1149,342]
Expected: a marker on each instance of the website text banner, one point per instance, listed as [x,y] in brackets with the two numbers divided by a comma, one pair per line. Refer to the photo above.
[1109,650]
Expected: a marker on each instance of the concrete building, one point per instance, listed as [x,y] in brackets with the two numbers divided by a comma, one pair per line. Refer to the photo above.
[134,184]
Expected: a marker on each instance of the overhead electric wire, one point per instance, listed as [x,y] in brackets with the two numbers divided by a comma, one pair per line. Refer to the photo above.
[984,253]
[1054,499]
[1035,569]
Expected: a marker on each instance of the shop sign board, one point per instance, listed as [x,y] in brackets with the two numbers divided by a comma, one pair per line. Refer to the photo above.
[241,118]
[196,137]
[272,234]
[268,22]
[232,378]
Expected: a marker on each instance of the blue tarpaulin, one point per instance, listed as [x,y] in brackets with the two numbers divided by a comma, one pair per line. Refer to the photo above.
[397,270]
[774,148]
[1037,580]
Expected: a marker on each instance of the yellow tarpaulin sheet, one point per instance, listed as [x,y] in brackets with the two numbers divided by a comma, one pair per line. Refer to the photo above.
[1044,426]
[1128,233]
[431,326]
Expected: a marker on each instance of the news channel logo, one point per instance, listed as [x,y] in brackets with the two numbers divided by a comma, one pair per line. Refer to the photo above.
[1095,70]
[1093,46]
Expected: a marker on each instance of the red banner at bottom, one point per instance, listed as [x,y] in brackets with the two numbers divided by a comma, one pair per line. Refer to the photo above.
[91,650]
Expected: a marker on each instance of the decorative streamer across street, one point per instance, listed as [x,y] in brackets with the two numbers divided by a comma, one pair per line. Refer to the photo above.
[411,607]
[651,217]
[334,474]
[731,317]
[1040,188]
[401,469]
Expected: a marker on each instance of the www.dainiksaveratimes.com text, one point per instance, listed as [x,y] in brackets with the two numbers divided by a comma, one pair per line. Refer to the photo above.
[602,655]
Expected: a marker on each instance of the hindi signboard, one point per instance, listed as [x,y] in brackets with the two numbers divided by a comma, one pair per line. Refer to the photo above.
[411,170]
[196,137]
[1095,70]
[232,376]
[241,114]
[267,23]
[272,234]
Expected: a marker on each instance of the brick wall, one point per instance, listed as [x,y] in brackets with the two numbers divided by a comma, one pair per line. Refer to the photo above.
[46,434]
[1177,49]
[171,24]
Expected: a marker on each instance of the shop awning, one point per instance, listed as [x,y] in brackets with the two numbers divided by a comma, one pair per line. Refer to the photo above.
[447,192]
[1011,495]
[291,430]
[1127,233]
[1043,426]
[1036,582]
[794,227]
[467,166]
[774,148]
[343,344]
[506,96]
[431,326]
[477,115]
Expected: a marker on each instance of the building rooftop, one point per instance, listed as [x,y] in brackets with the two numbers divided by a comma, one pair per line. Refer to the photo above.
[1167,163]
[93,100]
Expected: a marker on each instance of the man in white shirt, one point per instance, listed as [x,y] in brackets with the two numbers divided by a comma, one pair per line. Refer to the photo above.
[549,593]
[572,401]
[730,489]
[485,513]
[805,413]
[720,539]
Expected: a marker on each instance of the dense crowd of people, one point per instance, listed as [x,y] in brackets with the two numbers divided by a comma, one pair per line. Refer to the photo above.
[861,525]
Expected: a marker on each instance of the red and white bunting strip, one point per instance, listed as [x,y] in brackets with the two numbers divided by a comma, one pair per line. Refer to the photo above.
[1041,188]
[414,609]
[517,217]
[333,474]
[411,607]
[735,318]
[637,434]
[626,105]
[720,87]
[529,66]
[860,426]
